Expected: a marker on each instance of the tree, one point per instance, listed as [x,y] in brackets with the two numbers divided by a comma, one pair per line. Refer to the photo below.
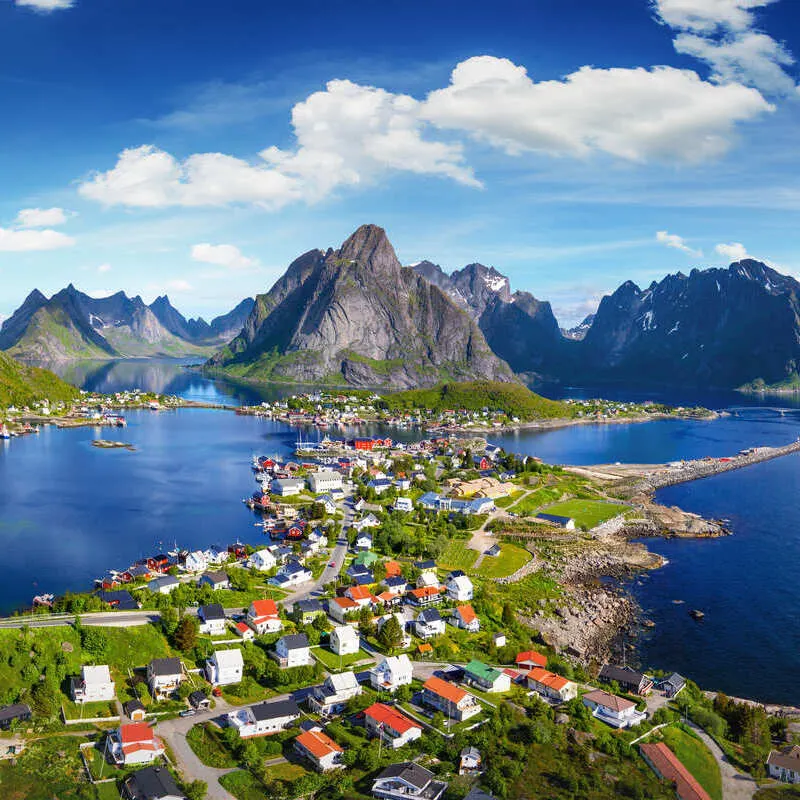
[391,634]
[94,642]
[196,790]
[365,625]
[509,618]
[169,620]
[186,634]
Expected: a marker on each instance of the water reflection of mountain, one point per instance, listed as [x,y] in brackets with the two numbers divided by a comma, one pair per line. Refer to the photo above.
[164,376]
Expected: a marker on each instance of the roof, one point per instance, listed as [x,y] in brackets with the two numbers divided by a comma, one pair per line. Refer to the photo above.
[666,764]
[14,711]
[397,663]
[426,591]
[228,658]
[98,674]
[531,656]
[609,700]
[345,632]
[264,608]
[557,518]
[467,613]
[215,577]
[386,715]
[242,628]
[393,569]
[342,681]
[470,752]
[444,689]
[275,710]
[359,593]
[151,783]
[429,615]
[318,743]
[212,611]
[135,732]
[396,580]
[409,772]
[549,679]
[308,606]
[294,641]
[133,705]
[166,666]
[786,759]
[482,671]
[428,564]
[675,680]
[345,603]
[609,672]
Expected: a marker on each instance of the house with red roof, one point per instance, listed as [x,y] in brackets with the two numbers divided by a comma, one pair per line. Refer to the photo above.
[530,659]
[391,725]
[263,617]
[450,699]
[548,684]
[466,618]
[340,607]
[666,766]
[134,743]
[425,595]
[316,746]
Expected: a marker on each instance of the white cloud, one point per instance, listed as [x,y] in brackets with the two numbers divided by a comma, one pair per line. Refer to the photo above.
[677,242]
[350,134]
[46,5]
[12,240]
[734,251]
[178,285]
[40,217]
[222,255]
[104,268]
[723,34]
[634,114]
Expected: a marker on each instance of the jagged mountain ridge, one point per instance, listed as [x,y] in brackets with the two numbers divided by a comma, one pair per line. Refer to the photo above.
[71,325]
[220,330]
[715,327]
[519,328]
[355,315]
[578,332]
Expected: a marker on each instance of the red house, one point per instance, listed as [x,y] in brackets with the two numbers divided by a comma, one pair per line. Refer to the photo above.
[363,444]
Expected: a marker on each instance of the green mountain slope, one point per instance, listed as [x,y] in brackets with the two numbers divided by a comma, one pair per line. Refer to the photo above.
[21,385]
[512,398]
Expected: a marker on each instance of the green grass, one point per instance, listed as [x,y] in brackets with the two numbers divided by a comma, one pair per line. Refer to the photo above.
[243,785]
[458,556]
[333,662]
[89,710]
[778,793]
[21,385]
[536,499]
[511,558]
[587,513]
[513,399]
[696,757]
[107,791]
[208,745]
[286,771]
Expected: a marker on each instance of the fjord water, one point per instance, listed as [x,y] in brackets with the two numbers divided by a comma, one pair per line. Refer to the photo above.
[69,511]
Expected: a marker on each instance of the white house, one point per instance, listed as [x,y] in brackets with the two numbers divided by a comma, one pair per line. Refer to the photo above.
[315,745]
[212,619]
[216,580]
[262,617]
[425,579]
[459,587]
[326,480]
[332,696]
[466,618]
[164,676]
[134,743]
[340,607]
[345,640]
[391,673]
[403,504]
[363,542]
[94,685]
[263,560]
[328,503]
[548,684]
[486,678]
[292,650]
[286,487]
[784,765]
[292,573]
[407,781]
[615,711]
[389,724]
[429,623]
[196,561]
[264,718]
[370,521]
[225,667]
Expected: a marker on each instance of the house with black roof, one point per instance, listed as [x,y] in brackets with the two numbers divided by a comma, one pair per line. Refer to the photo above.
[151,783]
[164,676]
[567,523]
[212,619]
[18,712]
[407,781]
[120,599]
[264,718]
[216,580]
[292,650]
[628,679]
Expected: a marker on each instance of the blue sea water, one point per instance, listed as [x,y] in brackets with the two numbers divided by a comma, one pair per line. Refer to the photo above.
[69,511]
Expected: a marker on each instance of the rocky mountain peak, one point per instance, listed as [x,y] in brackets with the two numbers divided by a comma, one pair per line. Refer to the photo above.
[370,247]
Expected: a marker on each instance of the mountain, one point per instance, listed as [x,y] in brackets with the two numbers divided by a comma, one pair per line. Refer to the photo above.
[21,385]
[355,315]
[715,327]
[220,331]
[578,333]
[520,329]
[72,325]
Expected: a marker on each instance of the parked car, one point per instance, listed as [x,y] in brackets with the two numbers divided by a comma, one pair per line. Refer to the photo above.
[187,712]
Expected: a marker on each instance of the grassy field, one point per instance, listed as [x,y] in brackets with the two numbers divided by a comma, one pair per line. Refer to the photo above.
[696,757]
[587,513]
[207,744]
[243,785]
[511,558]
[779,793]
[458,556]
[286,771]
[89,710]
[333,662]
[536,499]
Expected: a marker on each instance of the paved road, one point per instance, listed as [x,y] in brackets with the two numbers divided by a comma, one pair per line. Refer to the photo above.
[735,785]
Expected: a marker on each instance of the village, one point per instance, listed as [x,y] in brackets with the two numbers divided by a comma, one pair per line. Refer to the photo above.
[377,645]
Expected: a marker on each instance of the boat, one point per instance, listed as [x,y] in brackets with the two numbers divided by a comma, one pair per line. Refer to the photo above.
[696,615]
[45,600]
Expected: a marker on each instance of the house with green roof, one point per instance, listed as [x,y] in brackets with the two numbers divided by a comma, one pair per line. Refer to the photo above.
[486,678]
[366,558]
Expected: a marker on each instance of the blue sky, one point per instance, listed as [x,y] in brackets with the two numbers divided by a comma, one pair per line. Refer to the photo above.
[196,148]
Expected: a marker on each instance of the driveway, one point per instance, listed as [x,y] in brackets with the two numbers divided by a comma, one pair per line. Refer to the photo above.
[735,785]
